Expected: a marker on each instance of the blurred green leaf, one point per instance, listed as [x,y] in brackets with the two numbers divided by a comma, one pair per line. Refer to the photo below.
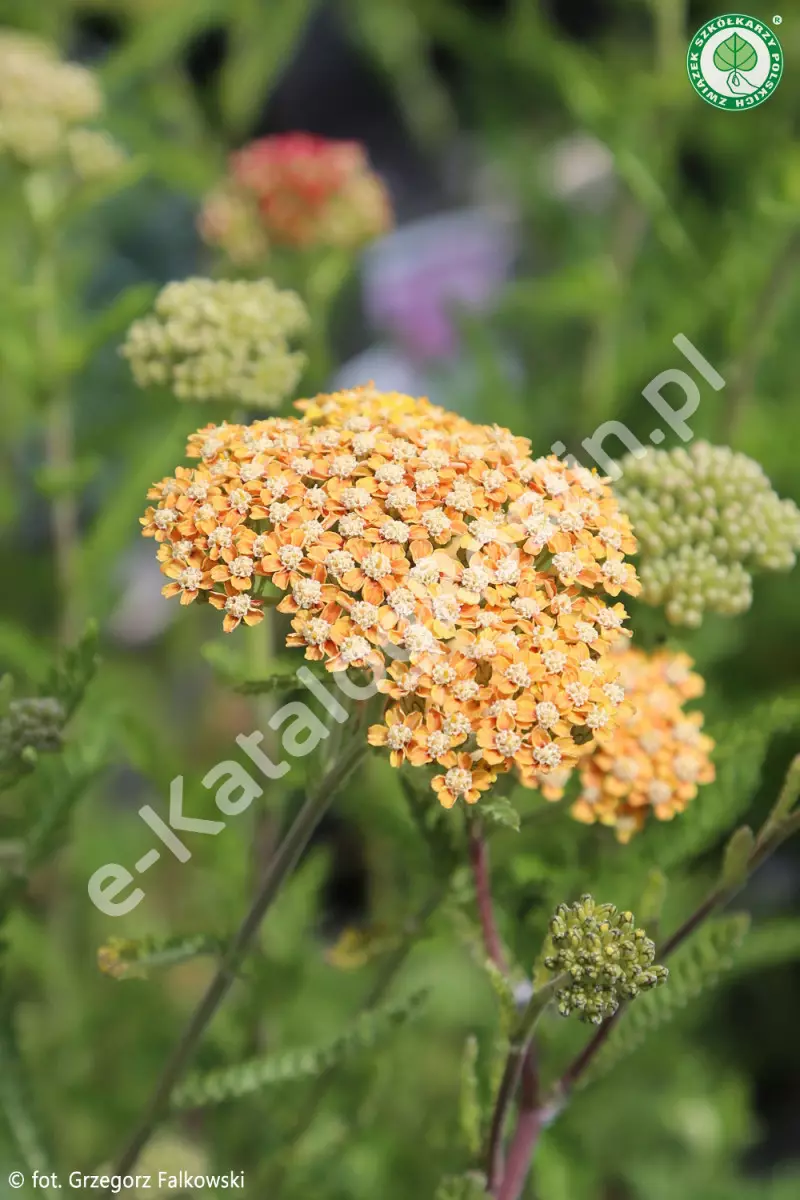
[159,37]
[134,958]
[230,1083]
[108,325]
[693,969]
[16,1102]
[262,40]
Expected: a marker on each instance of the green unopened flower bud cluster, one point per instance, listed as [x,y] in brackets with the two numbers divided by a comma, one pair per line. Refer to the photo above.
[34,723]
[44,104]
[706,519]
[220,340]
[607,958]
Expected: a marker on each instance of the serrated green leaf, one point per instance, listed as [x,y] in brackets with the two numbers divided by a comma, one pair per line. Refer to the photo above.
[788,797]
[62,790]
[230,1083]
[16,1103]
[471,1186]
[735,54]
[74,671]
[500,811]
[505,994]
[469,1097]
[132,958]
[281,676]
[693,969]
[277,679]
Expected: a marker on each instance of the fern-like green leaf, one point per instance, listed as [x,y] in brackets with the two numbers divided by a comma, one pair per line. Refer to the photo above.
[16,1105]
[471,1186]
[133,958]
[64,789]
[231,1083]
[74,671]
[692,970]
[500,811]
[469,1098]
[505,994]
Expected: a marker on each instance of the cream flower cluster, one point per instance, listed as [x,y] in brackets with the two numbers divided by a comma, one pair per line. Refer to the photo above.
[220,340]
[706,519]
[409,541]
[44,104]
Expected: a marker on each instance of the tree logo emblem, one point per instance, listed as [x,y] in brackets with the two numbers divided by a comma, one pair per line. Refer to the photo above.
[735,62]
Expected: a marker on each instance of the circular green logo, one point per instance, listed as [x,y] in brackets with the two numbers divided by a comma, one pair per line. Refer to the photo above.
[735,62]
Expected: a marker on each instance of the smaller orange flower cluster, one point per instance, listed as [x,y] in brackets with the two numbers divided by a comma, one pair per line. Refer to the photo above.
[296,190]
[655,758]
[402,532]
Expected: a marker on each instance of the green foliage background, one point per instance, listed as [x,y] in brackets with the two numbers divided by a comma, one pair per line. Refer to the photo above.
[700,237]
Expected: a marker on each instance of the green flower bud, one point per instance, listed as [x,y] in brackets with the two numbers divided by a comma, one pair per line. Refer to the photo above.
[607,958]
[706,519]
[34,723]
[220,340]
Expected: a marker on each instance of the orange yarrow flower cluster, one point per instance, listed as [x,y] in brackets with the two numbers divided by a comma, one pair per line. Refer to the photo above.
[656,757]
[298,190]
[479,584]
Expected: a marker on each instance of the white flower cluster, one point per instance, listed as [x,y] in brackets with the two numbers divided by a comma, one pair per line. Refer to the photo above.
[44,104]
[707,519]
[220,340]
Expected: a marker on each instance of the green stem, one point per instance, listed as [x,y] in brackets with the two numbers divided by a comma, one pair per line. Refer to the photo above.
[283,863]
[59,437]
[324,281]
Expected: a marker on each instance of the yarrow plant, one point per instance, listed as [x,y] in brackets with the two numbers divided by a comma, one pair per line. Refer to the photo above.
[479,589]
[392,635]
[707,519]
[220,340]
[295,190]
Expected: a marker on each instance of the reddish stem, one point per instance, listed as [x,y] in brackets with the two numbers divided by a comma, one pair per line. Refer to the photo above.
[525,1074]
[479,859]
[520,1153]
